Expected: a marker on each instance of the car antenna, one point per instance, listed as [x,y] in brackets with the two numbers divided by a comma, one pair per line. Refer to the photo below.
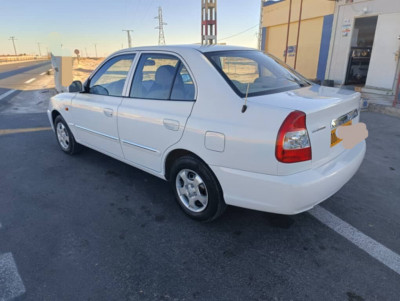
[244,108]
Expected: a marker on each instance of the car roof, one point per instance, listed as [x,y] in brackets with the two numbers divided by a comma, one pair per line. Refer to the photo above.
[178,48]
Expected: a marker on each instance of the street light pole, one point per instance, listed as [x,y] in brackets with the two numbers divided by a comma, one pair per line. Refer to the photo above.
[13,39]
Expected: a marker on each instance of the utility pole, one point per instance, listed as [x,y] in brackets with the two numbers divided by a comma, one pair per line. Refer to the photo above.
[160,27]
[288,31]
[95,49]
[13,39]
[208,22]
[86,52]
[40,52]
[260,46]
[128,31]
[298,35]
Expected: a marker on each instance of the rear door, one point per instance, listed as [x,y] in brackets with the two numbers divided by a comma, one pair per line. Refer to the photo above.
[154,116]
[94,113]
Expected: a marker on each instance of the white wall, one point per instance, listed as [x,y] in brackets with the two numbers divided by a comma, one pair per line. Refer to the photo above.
[340,45]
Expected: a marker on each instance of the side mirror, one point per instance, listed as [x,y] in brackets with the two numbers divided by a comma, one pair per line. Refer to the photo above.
[76,86]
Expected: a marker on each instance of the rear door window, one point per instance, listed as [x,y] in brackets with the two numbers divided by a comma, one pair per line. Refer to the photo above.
[183,87]
[162,77]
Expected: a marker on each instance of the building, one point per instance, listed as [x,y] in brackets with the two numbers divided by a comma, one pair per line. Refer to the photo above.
[307,42]
[353,42]
[365,45]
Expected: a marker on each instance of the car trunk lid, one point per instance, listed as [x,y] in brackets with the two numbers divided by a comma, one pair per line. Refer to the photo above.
[322,106]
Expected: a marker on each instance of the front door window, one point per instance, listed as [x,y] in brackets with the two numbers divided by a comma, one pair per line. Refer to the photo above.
[110,78]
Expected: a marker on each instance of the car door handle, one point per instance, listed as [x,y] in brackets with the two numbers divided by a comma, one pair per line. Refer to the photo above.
[108,112]
[170,124]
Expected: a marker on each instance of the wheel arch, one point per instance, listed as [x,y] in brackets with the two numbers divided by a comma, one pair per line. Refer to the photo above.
[176,154]
[54,115]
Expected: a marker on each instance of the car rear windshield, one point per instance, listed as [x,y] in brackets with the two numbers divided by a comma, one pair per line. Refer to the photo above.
[253,73]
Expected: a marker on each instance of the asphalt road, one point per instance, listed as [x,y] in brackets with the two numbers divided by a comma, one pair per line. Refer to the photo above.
[8,70]
[23,76]
[25,87]
[88,227]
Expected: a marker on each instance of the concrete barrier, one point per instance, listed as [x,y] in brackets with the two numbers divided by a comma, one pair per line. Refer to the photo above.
[62,66]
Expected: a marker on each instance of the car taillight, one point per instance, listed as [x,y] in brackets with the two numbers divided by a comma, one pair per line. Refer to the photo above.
[293,144]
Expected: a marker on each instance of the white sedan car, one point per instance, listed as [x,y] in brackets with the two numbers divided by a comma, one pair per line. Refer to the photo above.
[224,125]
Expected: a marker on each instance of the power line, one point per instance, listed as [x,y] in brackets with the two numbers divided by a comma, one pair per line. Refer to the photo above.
[239,33]
[160,27]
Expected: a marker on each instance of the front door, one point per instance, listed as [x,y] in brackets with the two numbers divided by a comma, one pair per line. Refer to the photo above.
[154,116]
[385,52]
[94,112]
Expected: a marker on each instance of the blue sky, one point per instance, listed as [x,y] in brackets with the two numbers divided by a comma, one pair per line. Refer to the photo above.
[82,23]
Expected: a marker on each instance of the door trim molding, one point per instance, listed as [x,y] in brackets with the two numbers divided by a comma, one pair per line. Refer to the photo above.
[97,133]
[140,146]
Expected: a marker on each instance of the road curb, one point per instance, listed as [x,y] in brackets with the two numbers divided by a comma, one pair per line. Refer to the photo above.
[387,110]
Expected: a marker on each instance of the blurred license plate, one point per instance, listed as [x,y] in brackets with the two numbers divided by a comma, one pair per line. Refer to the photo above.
[334,139]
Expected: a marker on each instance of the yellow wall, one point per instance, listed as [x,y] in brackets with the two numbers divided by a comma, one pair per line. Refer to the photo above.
[275,18]
[278,13]
[309,46]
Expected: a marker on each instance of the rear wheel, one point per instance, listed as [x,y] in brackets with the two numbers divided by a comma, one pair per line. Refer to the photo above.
[64,137]
[196,188]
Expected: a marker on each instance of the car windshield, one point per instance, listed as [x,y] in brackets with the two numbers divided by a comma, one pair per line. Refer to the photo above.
[253,73]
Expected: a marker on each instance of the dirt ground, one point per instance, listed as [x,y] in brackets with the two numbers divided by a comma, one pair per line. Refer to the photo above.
[83,68]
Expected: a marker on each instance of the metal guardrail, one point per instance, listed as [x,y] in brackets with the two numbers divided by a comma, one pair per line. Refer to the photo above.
[5,59]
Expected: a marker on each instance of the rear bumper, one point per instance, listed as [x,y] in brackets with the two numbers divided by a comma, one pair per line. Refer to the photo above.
[290,194]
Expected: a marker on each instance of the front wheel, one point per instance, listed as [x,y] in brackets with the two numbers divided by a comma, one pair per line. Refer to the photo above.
[64,137]
[196,188]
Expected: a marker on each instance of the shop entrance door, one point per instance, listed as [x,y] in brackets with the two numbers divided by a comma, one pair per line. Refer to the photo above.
[385,52]
[361,48]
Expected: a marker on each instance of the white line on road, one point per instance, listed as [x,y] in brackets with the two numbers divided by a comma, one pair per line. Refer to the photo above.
[29,81]
[11,285]
[43,73]
[4,95]
[367,244]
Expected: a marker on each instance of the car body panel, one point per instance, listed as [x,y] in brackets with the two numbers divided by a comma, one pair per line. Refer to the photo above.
[148,127]
[95,122]
[289,194]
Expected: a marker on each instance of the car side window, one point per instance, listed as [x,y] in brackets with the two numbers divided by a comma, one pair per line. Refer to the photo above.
[183,86]
[110,78]
[162,77]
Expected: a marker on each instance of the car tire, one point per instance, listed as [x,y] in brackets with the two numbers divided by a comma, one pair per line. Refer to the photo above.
[196,189]
[65,138]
